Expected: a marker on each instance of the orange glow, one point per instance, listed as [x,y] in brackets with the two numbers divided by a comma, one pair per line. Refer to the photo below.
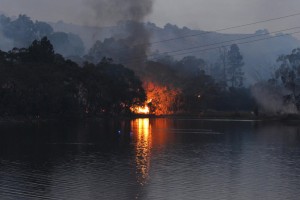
[143,148]
[163,98]
[142,109]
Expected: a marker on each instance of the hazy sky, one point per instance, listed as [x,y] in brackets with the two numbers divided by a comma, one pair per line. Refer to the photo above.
[203,14]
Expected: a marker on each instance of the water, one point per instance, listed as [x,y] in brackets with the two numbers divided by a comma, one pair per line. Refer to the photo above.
[150,159]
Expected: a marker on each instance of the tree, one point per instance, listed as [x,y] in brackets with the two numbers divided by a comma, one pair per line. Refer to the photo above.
[124,88]
[41,51]
[289,75]
[199,93]
[67,44]
[108,88]
[22,30]
[42,29]
[35,81]
[223,58]
[235,64]
[190,66]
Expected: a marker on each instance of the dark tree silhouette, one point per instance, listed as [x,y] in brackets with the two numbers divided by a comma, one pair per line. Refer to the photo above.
[235,64]
[35,81]
[41,51]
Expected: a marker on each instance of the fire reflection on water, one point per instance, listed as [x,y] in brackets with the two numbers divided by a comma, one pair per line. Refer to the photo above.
[142,129]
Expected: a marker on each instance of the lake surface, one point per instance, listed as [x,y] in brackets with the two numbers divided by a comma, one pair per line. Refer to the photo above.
[150,159]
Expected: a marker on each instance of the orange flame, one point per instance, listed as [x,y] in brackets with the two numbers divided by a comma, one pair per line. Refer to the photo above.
[142,110]
[162,100]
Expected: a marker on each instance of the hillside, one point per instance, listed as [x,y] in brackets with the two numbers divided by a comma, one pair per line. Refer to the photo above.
[75,40]
[259,57]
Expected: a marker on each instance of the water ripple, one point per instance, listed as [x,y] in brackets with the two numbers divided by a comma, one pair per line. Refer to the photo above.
[157,159]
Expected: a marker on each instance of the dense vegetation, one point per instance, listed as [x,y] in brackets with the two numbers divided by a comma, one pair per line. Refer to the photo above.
[37,82]
[197,89]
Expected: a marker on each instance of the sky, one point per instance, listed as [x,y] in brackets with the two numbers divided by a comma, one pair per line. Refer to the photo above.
[196,14]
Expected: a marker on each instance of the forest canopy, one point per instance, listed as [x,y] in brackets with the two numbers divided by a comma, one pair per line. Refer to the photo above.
[35,81]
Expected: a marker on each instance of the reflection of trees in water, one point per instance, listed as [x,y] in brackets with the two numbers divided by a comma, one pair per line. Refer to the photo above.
[285,134]
[143,149]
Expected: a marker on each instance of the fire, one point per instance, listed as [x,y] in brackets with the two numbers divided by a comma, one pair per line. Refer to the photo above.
[142,109]
[163,100]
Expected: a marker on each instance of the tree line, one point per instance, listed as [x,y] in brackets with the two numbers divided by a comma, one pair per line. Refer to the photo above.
[37,82]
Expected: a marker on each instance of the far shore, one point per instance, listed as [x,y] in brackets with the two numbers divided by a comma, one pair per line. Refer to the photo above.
[209,115]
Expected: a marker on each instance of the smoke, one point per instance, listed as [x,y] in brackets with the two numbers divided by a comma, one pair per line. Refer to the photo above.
[6,44]
[112,11]
[129,15]
[270,98]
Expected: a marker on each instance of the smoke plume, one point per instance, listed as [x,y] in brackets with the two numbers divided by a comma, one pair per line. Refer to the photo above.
[6,44]
[130,15]
[271,101]
[113,11]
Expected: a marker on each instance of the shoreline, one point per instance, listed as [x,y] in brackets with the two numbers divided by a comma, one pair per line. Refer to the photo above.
[228,116]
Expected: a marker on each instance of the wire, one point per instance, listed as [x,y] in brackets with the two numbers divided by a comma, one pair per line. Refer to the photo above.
[217,30]
[233,40]
[214,48]
[241,43]
[224,29]
[218,43]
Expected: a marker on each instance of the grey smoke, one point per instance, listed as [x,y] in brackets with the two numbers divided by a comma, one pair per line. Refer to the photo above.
[129,14]
[113,11]
[270,99]
[6,44]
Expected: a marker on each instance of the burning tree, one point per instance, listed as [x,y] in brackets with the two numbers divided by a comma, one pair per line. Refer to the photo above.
[159,82]
[163,99]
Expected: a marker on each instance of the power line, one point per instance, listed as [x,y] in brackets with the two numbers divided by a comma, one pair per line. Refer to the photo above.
[217,43]
[218,30]
[233,40]
[227,28]
[215,48]
[241,43]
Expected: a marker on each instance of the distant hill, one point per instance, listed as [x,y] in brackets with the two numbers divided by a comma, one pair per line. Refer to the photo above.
[259,57]
[21,31]
[74,41]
